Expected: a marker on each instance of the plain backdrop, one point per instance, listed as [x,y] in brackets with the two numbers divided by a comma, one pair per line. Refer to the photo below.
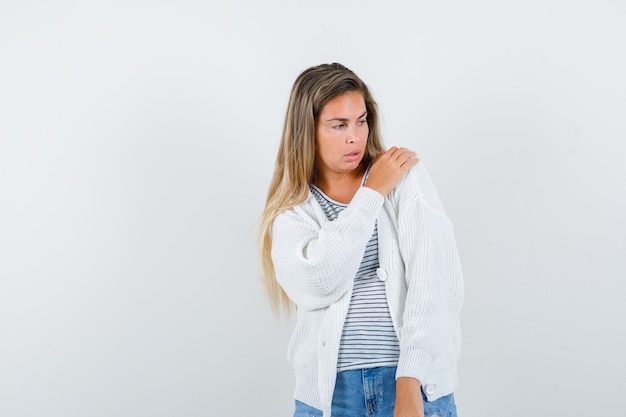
[137,140]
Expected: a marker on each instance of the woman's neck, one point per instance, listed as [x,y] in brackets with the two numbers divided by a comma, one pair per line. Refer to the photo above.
[341,187]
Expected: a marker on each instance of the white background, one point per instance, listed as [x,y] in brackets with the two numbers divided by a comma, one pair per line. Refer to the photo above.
[137,140]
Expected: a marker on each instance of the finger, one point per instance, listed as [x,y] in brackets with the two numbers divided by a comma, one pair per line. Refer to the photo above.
[391,150]
[409,154]
[411,159]
[403,154]
[411,162]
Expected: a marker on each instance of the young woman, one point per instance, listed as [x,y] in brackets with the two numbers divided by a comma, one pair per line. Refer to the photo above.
[356,238]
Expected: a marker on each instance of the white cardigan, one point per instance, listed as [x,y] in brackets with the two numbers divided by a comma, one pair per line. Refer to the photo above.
[316,261]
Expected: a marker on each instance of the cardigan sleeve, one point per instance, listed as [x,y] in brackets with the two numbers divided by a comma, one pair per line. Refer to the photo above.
[432,271]
[315,260]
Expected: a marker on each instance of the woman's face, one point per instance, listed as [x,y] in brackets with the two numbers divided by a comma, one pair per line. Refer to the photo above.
[341,134]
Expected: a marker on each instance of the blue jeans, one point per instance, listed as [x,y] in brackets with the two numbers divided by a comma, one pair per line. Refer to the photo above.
[372,393]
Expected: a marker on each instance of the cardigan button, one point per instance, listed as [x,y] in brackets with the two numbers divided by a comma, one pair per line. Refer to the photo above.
[430,389]
[382,275]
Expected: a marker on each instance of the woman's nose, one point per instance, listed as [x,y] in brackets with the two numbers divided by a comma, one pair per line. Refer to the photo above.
[350,135]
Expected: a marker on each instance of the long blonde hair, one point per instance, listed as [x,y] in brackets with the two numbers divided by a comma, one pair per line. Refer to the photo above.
[295,163]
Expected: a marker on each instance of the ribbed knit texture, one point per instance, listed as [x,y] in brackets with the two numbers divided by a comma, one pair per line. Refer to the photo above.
[368,339]
[316,261]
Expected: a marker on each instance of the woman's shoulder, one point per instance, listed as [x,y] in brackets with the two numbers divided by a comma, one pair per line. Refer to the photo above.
[305,210]
[418,184]
[415,178]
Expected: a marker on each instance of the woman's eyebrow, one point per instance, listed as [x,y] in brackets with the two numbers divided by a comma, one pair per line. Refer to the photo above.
[345,119]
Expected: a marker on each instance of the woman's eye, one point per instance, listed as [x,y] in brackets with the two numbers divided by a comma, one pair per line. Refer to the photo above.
[362,122]
[341,126]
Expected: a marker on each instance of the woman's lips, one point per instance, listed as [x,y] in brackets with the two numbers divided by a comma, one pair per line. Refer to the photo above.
[353,156]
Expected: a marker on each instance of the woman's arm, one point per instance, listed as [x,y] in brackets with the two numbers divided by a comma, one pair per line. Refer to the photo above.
[315,263]
[409,401]
[433,275]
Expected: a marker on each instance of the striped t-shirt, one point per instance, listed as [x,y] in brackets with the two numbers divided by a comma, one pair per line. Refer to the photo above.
[368,339]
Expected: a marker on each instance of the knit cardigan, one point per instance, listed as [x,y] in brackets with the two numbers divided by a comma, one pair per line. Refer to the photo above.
[316,260]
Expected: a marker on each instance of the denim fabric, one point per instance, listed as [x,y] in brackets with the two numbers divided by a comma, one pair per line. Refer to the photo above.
[305,410]
[371,393]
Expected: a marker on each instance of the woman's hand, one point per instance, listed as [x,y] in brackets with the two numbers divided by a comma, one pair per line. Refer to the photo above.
[409,401]
[389,168]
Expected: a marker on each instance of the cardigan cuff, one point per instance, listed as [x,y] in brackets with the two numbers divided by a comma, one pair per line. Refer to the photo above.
[368,201]
[414,363]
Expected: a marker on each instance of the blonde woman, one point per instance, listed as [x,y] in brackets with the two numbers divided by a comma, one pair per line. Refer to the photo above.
[355,238]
